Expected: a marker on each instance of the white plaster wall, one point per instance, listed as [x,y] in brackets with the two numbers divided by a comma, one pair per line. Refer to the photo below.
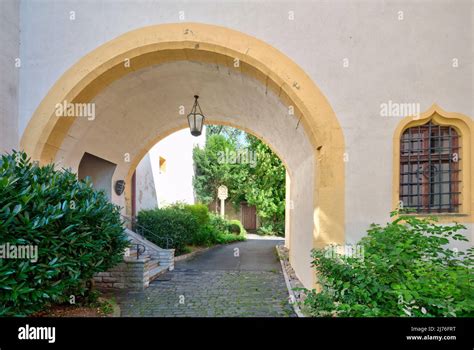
[403,61]
[9,74]
[175,184]
[146,185]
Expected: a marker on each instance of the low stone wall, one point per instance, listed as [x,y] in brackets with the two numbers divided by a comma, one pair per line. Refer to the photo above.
[134,273]
[129,274]
[165,257]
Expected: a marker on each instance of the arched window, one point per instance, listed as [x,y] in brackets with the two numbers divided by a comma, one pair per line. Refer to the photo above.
[430,172]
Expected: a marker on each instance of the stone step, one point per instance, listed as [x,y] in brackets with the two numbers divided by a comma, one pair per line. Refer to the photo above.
[164,256]
[156,272]
[152,264]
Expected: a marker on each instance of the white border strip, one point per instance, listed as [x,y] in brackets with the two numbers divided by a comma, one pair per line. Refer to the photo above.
[294,304]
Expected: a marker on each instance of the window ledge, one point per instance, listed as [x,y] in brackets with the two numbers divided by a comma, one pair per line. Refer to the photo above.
[441,215]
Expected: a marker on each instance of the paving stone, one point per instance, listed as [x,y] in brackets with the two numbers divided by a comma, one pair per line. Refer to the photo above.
[212,292]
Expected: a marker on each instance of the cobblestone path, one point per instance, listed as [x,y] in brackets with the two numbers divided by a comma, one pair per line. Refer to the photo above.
[217,283]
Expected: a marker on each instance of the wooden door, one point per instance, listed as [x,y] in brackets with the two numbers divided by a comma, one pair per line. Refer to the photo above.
[249,216]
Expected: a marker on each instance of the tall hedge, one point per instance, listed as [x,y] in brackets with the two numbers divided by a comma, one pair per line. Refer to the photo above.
[77,231]
[177,225]
[199,211]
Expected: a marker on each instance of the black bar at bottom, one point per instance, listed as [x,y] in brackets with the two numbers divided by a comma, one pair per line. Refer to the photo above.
[314,333]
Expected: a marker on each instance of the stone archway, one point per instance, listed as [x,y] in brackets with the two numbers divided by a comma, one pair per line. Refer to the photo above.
[46,133]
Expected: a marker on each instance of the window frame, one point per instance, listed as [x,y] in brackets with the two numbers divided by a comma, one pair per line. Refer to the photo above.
[426,149]
[464,127]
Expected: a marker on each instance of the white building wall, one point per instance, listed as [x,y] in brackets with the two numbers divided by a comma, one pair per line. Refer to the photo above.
[9,74]
[146,184]
[389,58]
[175,183]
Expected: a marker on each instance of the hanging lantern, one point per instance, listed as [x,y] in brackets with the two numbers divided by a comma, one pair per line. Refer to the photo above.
[196,118]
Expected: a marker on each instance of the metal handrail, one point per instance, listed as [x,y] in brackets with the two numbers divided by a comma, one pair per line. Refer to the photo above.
[135,225]
[140,252]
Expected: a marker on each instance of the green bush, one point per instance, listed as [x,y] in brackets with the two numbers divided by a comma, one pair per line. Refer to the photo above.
[220,224]
[169,223]
[272,229]
[236,227]
[225,238]
[76,230]
[188,225]
[206,236]
[218,231]
[405,270]
[200,213]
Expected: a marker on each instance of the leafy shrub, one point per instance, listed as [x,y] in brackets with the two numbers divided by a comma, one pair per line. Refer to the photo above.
[225,238]
[187,225]
[177,224]
[236,227]
[200,213]
[218,231]
[265,230]
[272,229]
[220,224]
[76,230]
[406,270]
[206,236]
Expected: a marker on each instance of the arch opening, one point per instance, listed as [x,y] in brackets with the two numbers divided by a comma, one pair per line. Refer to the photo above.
[315,163]
[219,150]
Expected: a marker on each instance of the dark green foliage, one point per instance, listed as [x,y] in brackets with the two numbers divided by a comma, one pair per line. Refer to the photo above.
[260,183]
[234,228]
[77,232]
[277,228]
[200,213]
[406,270]
[217,231]
[187,225]
[266,187]
[211,171]
[177,224]
[219,223]
[225,238]
[206,235]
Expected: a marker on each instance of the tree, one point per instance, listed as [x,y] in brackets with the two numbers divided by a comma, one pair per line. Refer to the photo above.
[260,183]
[211,171]
[265,187]
[236,136]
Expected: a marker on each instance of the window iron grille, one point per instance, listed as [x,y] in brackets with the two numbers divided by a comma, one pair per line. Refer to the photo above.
[430,172]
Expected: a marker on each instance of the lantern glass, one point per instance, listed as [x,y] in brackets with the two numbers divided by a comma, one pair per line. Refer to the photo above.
[191,122]
[195,121]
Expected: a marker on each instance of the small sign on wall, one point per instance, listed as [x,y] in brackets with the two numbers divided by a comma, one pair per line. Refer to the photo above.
[119,187]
